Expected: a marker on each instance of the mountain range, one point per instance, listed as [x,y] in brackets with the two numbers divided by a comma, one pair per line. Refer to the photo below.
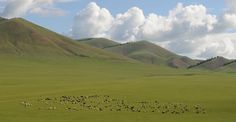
[22,38]
[143,51]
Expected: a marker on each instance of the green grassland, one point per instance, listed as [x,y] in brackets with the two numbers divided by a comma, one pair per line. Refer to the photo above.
[28,79]
[43,76]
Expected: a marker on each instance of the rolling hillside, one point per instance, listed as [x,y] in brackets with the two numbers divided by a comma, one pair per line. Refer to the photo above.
[1,19]
[231,66]
[182,62]
[143,51]
[20,37]
[212,64]
[99,42]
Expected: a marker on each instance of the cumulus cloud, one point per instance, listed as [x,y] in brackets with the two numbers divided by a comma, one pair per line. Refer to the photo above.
[188,30]
[126,26]
[211,45]
[182,23]
[18,8]
[191,20]
[228,19]
[92,21]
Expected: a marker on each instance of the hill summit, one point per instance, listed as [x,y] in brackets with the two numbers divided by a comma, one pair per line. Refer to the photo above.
[212,64]
[20,37]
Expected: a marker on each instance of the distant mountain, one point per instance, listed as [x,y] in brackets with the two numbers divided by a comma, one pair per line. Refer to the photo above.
[143,51]
[212,64]
[20,37]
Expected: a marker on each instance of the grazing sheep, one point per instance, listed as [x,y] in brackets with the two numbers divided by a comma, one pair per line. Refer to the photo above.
[26,104]
[107,103]
[52,108]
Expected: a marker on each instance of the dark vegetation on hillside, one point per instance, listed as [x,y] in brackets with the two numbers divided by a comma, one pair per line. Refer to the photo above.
[212,63]
[202,62]
[230,63]
[2,19]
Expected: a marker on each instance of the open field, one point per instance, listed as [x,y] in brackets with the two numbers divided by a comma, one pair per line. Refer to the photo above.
[28,79]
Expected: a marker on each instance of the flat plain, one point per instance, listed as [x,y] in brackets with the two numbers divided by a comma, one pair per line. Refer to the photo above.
[27,79]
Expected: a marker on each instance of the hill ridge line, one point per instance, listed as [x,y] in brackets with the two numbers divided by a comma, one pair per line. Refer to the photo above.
[205,61]
[126,44]
[234,61]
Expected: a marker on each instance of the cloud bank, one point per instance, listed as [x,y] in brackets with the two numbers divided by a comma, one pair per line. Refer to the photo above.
[18,8]
[187,30]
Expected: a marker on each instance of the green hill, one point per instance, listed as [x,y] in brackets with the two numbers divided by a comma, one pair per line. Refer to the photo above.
[98,42]
[143,51]
[182,62]
[20,37]
[1,19]
[231,66]
[212,64]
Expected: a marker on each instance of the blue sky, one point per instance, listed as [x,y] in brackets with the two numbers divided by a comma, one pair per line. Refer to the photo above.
[162,7]
[194,28]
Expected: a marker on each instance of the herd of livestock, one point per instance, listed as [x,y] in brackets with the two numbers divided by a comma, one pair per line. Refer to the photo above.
[106,103]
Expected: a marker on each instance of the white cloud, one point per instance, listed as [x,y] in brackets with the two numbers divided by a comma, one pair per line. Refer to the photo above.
[232,5]
[126,26]
[227,20]
[18,8]
[188,30]
[48,11]
[93,21]
[182,23]
[230,19]
[211,45]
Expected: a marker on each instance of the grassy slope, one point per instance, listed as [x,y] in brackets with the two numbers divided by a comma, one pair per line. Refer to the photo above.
[98,42]
[212,64]
[20,37]
[229,67]
[27,79]
[149,53]
[143,51]
[1,19]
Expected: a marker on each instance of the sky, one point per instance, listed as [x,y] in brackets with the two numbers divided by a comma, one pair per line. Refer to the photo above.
[195,28]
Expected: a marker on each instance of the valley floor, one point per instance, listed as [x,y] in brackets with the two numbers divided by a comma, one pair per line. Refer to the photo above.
[26,79]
